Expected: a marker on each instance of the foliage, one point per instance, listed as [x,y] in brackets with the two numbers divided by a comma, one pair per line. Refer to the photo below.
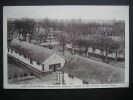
[76,32]
[10,28]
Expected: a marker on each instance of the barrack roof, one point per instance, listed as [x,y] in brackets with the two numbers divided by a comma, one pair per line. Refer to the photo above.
[92,71]
[35,52]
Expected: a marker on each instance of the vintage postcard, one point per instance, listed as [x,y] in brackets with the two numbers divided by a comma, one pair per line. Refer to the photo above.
[65,47]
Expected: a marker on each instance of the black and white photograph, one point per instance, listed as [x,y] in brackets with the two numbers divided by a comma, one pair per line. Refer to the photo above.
[65,47]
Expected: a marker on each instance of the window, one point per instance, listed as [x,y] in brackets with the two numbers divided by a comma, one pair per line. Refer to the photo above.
[84,82]
[71,76]
[38,63]
[11,51]
[50,66]
[31,61]
[15,51]
[42,67]
[54,66]
[8,50]
[25,56]
[58,65]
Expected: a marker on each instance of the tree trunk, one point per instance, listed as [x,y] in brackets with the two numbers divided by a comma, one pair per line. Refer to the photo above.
[116,57]
[30,38]
[87,54]
[38,35]
[106,56]
[63,45]
[102,52]
[73,51]
[50,40]
[25,37]
[37,38]
[103,55]
[79,50]
[60,39]
[86,51]
[19,34]
[9,36]
[45,37]
[124,55]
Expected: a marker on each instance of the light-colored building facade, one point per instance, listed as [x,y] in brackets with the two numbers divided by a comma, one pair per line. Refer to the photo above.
[67,79]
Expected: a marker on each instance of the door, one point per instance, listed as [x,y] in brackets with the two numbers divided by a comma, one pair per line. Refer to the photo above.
[54,69]
[43,67]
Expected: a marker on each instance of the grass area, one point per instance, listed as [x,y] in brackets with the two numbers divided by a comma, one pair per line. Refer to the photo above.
[16,73]
[19,75]
[91,56]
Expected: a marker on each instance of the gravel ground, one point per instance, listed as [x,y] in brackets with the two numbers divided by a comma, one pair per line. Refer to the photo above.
[48,79]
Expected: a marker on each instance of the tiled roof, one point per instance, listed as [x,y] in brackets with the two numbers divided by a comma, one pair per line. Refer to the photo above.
[93,71]
[37,53]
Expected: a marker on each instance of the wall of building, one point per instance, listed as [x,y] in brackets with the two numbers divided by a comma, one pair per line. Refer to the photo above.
[54,59]
[65,79]
[59,77]
[25,60]
[72,81]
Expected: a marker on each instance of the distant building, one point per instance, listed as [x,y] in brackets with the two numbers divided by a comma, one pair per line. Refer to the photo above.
[81,70]
[51,37]
[36,57]
[46,36]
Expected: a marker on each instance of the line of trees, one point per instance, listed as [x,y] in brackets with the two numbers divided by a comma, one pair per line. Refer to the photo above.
[71,27]
[24,27]
[105,44]
[107,37]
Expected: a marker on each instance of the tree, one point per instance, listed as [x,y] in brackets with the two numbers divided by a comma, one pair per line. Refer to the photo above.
[119,29]
[116,46]
[63,39]
[81,43]
[18,26]
[73,42]
[28,27]
[46,24]
[87,43]
[38,26]
[10,29]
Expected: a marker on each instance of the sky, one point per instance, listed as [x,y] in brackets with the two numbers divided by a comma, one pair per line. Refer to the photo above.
[68,12]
